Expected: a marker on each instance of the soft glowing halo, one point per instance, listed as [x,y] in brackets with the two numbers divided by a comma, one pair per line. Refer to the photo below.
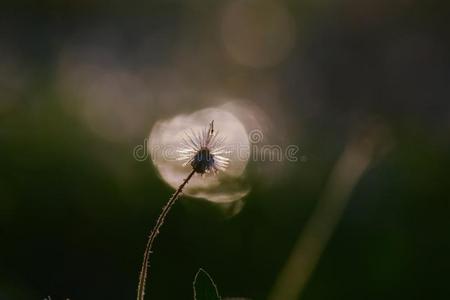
[257,33]
[167,136]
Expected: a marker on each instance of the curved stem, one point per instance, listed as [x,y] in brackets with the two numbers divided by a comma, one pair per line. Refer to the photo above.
[154,233]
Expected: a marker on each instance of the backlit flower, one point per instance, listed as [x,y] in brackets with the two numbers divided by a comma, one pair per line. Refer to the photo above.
[204,151]
[187,139]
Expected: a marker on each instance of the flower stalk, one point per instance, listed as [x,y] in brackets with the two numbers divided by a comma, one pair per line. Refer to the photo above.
[204,153]
[154,233]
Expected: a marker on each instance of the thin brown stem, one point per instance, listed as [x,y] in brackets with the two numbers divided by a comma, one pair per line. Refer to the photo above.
[154,233]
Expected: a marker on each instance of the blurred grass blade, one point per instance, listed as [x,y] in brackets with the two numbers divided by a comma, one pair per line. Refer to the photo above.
[204,287]
[357,157]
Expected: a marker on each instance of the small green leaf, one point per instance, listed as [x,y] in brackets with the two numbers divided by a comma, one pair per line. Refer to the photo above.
[204,287]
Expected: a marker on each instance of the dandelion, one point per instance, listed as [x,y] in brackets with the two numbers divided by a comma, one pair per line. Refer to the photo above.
[205,152]
[170,146]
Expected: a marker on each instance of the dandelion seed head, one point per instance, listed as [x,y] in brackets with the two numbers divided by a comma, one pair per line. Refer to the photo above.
[218,152]
[205,152]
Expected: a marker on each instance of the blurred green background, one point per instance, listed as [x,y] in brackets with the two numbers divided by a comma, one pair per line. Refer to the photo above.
[82,83]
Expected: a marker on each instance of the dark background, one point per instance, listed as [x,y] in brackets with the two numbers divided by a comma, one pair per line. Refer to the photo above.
[82,83]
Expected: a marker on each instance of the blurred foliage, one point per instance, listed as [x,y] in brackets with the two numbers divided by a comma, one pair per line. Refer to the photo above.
[76,207]
[204,287]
